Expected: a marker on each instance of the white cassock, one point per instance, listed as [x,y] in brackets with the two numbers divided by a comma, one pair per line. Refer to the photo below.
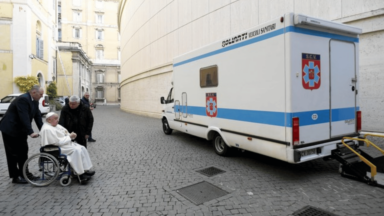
[77,155]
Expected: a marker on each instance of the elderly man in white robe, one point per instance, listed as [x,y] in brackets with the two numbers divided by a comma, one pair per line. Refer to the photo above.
[54,134]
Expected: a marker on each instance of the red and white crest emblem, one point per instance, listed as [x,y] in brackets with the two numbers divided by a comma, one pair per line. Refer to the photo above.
[311,75]
[211,104]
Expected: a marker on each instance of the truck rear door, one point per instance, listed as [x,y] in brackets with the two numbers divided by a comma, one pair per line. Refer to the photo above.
[342,88]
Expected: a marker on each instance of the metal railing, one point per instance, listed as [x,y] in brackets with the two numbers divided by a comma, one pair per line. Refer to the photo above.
[368,142]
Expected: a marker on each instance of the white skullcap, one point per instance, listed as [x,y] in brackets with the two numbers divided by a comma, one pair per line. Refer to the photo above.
[49,115]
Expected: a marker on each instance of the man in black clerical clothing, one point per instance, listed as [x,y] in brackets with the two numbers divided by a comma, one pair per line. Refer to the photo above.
[76,117]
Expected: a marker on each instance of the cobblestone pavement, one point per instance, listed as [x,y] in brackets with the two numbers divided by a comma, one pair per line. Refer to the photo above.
[139,170]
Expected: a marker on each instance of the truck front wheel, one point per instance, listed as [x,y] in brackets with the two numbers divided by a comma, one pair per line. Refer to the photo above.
[220,146]
[167,130]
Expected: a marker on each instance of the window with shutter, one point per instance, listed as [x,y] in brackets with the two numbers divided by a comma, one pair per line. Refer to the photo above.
[76,33]
[99,54]
[99,35]
[100,78]
[99,18]
[77,16]
[37,46]
[100,94]
[59,32]
[41,49]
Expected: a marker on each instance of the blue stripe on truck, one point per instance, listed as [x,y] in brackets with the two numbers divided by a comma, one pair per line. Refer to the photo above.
[276,118]
[267,36]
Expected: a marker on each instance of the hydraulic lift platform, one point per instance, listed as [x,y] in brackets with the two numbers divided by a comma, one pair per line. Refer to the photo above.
[358,164]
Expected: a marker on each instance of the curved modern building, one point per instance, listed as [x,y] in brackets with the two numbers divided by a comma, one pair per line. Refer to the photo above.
[154,32]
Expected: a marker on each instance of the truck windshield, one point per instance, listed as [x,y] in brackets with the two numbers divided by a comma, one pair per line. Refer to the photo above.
[170,96]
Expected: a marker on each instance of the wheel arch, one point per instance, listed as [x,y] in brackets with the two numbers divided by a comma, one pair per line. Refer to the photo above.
[212,131]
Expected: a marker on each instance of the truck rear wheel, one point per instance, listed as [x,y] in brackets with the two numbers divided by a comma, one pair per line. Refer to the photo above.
[167,130]
[221,148]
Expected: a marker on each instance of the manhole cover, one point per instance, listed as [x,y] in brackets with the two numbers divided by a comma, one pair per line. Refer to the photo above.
[312,211]
[201,192]
[210,171]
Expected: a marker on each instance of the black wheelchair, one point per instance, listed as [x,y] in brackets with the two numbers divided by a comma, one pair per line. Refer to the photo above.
[47,166]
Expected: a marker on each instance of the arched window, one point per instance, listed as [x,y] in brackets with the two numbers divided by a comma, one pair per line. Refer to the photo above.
[38,27]
[40,78]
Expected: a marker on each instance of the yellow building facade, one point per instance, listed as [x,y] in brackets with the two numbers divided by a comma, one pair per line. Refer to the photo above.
[28,34]
[93,25]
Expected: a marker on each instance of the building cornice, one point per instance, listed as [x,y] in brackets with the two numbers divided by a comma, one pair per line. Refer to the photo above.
[88,24]
[40,60]
[100,62]
[74,47]
[6,51]
[5,21]
[104,84]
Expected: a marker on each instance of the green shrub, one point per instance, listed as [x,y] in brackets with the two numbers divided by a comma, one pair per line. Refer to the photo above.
[52,90]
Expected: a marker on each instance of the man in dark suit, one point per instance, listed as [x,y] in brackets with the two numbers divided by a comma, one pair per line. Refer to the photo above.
[66,100]
[85,101]
[15,127]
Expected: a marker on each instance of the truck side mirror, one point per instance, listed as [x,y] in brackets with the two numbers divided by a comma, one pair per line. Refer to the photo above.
[162,100]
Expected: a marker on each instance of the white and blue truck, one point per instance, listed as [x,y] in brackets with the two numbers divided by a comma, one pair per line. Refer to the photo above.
[287,89]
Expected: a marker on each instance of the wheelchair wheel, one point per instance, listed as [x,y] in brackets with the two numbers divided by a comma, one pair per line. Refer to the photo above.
[41,169]
[65,180]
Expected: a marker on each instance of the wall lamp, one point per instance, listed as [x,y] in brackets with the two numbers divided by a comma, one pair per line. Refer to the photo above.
[32,56]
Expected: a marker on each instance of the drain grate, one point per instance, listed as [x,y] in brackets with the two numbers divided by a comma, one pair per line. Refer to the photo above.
[312,211]
[210,171]
[201,192]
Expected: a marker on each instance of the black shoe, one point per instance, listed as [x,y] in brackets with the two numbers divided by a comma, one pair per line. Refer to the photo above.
[89,173]
[83,177]
[19,180]
[91,140]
